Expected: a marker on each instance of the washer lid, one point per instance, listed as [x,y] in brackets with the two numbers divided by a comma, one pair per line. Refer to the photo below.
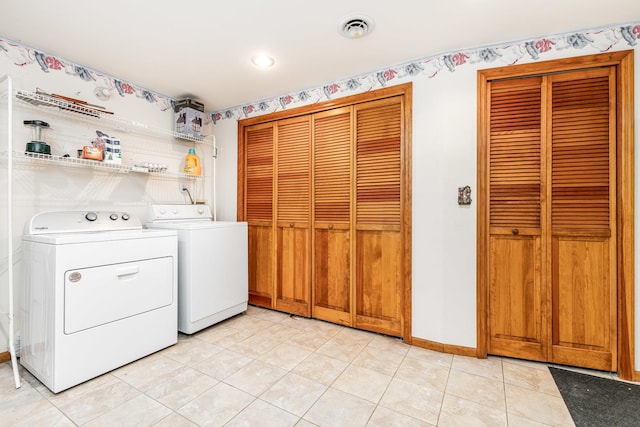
[194,225]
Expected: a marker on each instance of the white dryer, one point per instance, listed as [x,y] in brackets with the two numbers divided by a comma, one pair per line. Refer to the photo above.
[212,264]
[99,292]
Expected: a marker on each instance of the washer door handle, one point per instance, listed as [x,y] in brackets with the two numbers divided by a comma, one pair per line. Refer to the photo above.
[127,271]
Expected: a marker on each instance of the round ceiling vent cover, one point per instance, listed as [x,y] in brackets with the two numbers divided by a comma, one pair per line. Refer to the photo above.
[356,26]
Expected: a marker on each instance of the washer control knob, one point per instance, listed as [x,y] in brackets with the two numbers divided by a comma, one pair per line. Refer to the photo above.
[162,212]
[125,217]
[91,216]
[175,211]
[200,211]
[113,217]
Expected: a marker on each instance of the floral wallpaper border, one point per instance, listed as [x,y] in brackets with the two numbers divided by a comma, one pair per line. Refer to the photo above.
[23,56]
[601,39]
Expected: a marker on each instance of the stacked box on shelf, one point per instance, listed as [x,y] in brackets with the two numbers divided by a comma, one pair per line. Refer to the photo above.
[189,117]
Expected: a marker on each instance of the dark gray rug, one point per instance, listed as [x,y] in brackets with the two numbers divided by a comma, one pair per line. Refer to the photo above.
[595,401]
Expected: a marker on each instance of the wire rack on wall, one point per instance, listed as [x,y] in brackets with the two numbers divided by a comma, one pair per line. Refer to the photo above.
[145,149]
[89,113]
[38,158]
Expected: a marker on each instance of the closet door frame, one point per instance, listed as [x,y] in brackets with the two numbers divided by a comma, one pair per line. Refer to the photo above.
[405,90]
[623,62]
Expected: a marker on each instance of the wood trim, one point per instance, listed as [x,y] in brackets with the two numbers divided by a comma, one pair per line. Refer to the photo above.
[444,348]
[5,356]
[625,194]
[623,61]
[482,238]
[405,215]
[274,209]
[352,219]
[401,89]
[556,65]
[240,210]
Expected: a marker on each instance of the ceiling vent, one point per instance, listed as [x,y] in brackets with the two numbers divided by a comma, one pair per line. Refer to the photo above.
[356,26]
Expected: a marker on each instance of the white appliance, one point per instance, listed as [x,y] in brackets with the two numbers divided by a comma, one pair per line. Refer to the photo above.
[212,264]
[99,292]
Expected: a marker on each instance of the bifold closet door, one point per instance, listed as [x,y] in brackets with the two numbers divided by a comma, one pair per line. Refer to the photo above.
[552,218]
[378,247]
[332,141]
[293,279]
[259,164]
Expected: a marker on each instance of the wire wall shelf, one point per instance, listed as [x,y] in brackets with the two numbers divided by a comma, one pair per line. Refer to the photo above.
[43,159]
[93,114]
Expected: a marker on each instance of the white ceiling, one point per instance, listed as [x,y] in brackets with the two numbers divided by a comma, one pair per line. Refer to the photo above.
[202,48]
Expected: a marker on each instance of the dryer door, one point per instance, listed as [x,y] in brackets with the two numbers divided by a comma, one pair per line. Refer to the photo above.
[98,295]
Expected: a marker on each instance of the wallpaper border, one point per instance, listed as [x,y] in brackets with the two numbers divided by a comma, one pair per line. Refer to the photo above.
[601,39]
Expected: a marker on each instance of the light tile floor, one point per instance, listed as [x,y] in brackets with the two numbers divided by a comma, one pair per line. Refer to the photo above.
[266,368]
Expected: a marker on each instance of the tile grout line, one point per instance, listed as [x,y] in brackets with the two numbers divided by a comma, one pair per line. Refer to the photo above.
[504,390]
[444,392]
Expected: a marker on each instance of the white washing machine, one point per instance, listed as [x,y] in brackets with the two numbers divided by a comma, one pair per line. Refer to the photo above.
[213,266]
[99,292]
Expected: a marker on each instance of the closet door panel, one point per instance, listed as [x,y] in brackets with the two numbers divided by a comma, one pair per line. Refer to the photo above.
[332,298]
[293,279]
[517,323]
[331,273]
[379,258]
[378,272]
[582,332]
[260,265]
[259,145]
[294,274]
[583,189]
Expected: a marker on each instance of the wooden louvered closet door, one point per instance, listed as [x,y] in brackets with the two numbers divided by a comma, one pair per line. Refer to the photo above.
[552,214]
[332,133]
[582,129]
[378,148]
[293,278]
[517,309]
[259,142]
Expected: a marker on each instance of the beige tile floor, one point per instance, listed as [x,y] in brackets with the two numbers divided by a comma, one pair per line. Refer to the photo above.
[266,368]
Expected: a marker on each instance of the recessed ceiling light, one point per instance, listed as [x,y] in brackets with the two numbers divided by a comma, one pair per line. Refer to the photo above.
[356,26]
[262,60]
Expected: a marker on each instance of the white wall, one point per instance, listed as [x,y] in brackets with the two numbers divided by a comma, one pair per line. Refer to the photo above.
[226,133]
[444,233]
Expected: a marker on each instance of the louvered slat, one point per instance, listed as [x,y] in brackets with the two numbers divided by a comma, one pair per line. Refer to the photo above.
[514,146]
[294,141]
[332,168]
[580,154]
[378,164]
[259,180]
